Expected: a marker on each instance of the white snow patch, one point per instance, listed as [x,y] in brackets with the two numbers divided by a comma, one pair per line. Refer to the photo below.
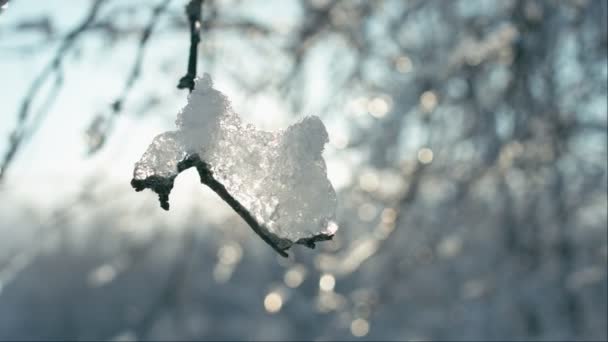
[279,177]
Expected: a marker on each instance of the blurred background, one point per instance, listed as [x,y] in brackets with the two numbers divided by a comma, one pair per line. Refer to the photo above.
[468,150]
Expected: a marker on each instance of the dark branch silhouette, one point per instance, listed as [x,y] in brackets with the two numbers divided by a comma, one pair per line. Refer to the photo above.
[193,11]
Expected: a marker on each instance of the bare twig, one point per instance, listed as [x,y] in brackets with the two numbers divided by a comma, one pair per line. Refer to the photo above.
[193,10]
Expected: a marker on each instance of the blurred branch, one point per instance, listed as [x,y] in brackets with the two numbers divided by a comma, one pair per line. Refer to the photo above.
[20,132]
[100,127]
[143,41]
[3,5]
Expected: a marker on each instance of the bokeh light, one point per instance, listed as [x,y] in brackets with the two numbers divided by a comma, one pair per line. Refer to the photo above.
[425,155]
[359,327]
[273,302]
[327,282]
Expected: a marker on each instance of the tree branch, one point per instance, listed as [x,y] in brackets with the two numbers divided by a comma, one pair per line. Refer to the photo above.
[163,186]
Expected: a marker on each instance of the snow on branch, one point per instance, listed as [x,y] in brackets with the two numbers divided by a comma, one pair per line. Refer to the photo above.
[276,181]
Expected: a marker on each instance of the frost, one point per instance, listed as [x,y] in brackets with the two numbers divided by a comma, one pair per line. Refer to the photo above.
[276,181]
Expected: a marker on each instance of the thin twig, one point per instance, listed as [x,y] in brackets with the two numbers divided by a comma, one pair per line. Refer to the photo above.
[163,186]
[193,10]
